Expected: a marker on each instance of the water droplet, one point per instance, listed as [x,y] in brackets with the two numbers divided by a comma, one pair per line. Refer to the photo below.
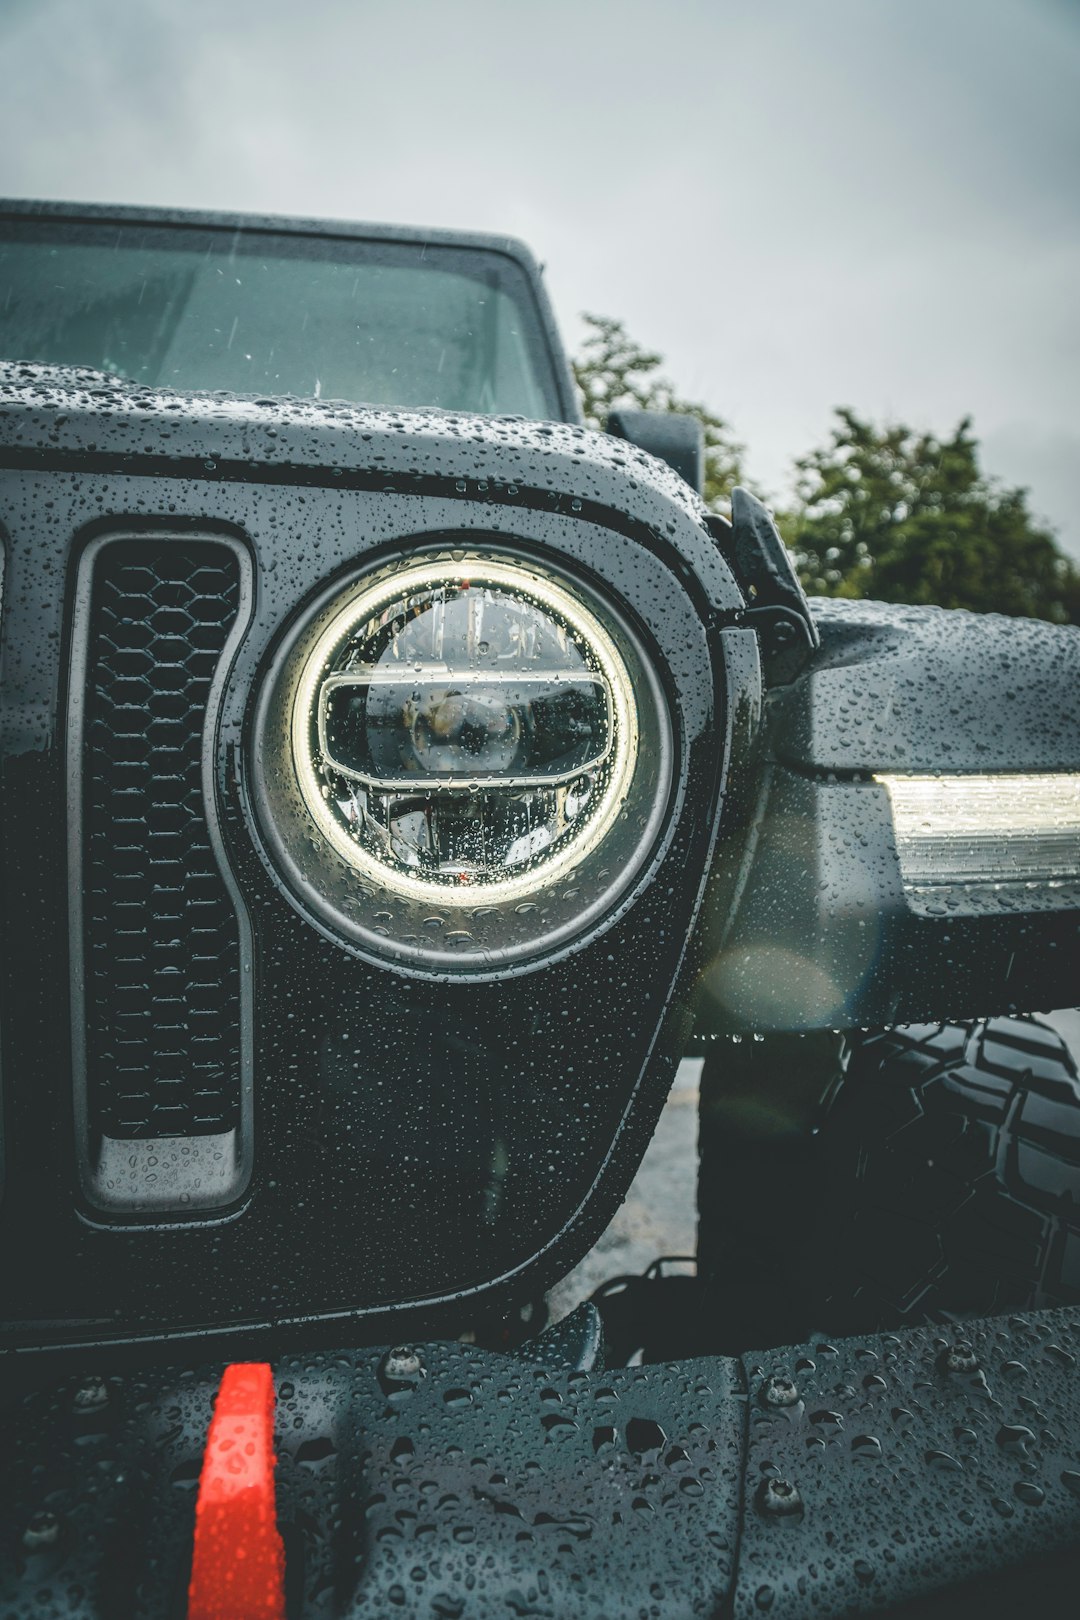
[942,1463]
[1015,1438]
[643,1434]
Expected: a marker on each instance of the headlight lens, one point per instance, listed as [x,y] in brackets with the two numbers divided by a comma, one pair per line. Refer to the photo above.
[469,732]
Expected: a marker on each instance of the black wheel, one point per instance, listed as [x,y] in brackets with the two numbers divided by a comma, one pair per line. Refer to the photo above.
[939,1178]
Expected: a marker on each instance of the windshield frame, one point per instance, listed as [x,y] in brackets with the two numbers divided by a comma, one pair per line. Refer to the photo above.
[553,371]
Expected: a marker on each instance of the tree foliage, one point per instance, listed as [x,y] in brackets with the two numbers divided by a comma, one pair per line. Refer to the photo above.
[904,516]
[612,371]
[886,512]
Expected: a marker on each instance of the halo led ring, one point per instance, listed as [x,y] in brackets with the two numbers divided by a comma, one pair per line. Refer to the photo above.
[461,760]
[424,588]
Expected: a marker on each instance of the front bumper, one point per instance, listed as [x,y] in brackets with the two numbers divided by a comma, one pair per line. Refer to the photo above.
[816,1479]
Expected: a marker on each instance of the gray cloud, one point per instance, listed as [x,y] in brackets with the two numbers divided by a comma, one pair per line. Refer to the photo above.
[801,205]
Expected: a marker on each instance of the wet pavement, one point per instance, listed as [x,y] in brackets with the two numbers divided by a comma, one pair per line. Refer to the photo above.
[659,1216]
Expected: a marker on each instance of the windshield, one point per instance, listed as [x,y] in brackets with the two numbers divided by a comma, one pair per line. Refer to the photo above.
[252,312]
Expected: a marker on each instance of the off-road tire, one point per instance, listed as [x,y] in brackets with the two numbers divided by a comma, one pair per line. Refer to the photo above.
[943,1180]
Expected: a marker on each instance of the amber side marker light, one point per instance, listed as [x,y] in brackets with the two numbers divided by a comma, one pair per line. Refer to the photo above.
[986,830]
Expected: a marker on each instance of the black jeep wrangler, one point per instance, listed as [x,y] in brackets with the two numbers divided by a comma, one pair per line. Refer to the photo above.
[398,781]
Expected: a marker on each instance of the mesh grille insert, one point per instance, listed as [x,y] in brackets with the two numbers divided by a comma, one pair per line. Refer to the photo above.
[161,937]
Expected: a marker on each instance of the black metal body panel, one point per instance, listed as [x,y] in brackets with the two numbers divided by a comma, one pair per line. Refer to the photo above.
[925,689]
[379,1098]
[914,1479]
[815,1480]
[809,925]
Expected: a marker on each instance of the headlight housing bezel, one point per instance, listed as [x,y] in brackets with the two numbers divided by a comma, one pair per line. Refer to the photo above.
[430,929]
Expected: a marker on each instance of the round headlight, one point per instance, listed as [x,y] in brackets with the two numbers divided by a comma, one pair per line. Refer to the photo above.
[478,747]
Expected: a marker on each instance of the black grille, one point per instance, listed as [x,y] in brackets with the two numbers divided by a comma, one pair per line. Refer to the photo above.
[161,937]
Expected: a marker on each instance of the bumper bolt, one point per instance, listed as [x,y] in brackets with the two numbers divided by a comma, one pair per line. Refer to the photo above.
[91,1395]
[779,1391]
[42,1531]
[402,1368]
[779,1499]
[959,1358]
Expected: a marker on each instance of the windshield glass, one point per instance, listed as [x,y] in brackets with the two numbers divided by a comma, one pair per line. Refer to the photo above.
[252,312]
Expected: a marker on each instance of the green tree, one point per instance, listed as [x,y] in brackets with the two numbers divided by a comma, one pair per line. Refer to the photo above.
[905,516]
[611,370]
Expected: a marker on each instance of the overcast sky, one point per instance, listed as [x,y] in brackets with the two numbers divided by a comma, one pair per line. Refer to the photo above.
[801,204]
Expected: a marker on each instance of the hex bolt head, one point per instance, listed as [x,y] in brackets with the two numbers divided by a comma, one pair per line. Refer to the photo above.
[42,1531]
[91,1395]
[402,1365]
[779,1391]
[779,1499]
[959,1358]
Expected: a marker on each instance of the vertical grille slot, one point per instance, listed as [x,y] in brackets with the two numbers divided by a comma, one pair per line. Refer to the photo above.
[161,995]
